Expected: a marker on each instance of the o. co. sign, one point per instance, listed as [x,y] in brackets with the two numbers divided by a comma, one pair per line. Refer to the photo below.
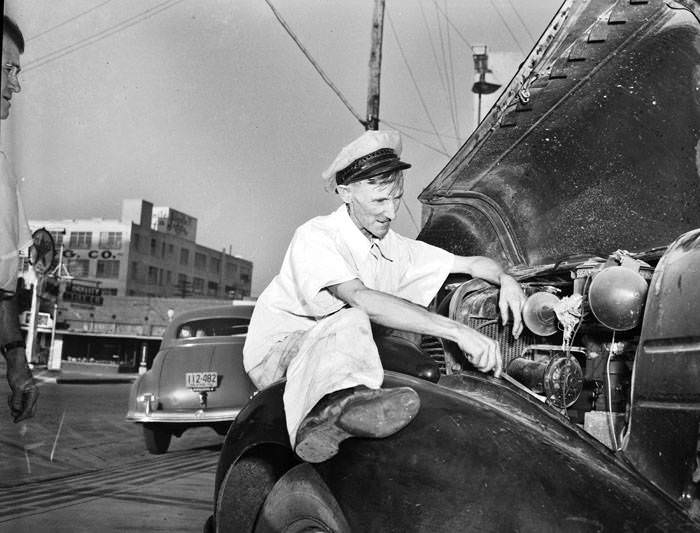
[91,254]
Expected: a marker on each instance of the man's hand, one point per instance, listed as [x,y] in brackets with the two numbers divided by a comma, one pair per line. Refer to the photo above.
[22,400]
[511,297]
[480,350]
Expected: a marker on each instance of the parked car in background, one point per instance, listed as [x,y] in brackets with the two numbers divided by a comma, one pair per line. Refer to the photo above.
[197,377]
[584,180]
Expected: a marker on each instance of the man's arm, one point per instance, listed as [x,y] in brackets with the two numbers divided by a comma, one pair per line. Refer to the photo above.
[24,394]
[397,313]
[511,295]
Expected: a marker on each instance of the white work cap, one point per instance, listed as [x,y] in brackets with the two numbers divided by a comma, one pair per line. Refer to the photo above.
[371,154]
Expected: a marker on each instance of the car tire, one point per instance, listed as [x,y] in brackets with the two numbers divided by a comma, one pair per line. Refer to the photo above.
[157,439]
[301,501]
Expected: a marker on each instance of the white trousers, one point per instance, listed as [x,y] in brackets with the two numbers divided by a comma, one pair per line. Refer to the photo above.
[336,353]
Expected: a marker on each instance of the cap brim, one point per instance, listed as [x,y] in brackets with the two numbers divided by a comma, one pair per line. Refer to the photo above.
[377,169]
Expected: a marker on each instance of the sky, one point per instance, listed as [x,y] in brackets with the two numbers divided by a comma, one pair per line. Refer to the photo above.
[209,107]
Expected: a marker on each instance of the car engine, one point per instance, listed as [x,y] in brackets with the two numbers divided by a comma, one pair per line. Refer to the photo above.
[582,321]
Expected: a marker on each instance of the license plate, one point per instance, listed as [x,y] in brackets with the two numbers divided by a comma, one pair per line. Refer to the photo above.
[201,381]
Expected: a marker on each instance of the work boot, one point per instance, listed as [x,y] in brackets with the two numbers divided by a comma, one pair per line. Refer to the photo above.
[353,412]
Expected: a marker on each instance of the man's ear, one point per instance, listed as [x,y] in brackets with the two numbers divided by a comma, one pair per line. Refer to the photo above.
[344,193]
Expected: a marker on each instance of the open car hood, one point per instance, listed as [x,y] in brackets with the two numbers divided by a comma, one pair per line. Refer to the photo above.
[593,147]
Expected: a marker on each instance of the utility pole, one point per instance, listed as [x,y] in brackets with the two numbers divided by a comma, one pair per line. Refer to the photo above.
[375,67]
[60,273]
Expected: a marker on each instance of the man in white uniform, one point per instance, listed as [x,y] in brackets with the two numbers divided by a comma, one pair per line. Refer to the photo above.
[14,236]
[341,271]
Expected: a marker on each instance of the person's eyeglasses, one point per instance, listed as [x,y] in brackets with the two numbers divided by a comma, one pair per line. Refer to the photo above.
[12,71]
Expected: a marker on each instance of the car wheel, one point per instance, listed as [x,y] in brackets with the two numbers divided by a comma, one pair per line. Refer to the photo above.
[300,502]
[157,439]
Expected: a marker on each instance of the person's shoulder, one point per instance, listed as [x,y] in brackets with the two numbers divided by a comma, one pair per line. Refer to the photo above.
[323,224]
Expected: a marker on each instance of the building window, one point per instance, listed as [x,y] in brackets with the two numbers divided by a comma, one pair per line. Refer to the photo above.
[171,249]
[168,277]
[212,288]
[152,275]
[137,242]
[79,268]
[214,265]
[184,288]
[80,240]
[135,271]
[231,269]
[57,238]
[200,261]
[184,256]
[110,240]
[245,277]
[198,285]
[109,292]
[153,247]
[107,269]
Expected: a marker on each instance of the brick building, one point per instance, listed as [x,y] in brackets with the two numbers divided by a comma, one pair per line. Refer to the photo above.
[150,251]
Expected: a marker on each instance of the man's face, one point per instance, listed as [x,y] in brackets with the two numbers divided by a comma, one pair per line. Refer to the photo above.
[9,83]
[372,207]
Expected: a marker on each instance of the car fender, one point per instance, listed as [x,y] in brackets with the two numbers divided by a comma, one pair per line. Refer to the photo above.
[666,381]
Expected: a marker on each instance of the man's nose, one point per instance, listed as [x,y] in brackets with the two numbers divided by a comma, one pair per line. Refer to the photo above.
[390,211]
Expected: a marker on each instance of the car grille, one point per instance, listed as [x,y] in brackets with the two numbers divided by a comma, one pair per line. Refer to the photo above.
[510,347]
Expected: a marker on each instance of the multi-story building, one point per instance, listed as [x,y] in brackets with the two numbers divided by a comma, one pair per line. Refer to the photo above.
[149,251]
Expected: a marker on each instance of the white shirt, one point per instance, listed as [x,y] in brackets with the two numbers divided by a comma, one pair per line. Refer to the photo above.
[14,231]
[329,250]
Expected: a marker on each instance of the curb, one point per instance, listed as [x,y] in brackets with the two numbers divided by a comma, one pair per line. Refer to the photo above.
[85,380]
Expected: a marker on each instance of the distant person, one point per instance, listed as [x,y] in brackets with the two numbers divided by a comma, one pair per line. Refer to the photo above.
[341,271]
[14,236]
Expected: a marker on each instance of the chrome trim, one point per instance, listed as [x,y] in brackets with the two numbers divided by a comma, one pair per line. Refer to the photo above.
[219,415]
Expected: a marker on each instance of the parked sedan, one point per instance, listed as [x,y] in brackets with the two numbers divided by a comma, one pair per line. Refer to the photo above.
[197,377]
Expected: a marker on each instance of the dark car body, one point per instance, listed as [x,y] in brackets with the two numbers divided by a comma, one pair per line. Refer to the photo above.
[584,179]
[161,400]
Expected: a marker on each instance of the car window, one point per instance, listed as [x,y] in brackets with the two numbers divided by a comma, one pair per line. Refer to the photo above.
[213,327]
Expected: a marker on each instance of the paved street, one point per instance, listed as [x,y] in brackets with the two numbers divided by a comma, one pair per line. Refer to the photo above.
[79,466]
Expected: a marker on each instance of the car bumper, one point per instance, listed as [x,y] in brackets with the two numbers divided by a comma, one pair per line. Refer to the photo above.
[194,417]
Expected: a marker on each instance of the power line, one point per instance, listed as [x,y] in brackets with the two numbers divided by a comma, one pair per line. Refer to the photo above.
[314,64]
[452,78]
[112,30]
[517,14]
[441,75]
[450,86]
[83,13]
[410,215]
[395,126]
[421,130]
[507,27]
[415,84]
[455,28]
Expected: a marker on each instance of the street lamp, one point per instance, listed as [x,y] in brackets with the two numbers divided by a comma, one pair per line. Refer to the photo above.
[481,69]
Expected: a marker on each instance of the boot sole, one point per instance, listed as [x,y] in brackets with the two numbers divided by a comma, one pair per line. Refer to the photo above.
[375,414]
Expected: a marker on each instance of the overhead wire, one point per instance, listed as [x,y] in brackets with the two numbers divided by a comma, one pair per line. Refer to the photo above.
[415,83]
[455,116]
[315,65]
[498,11]
[398,127]
[421,130]
[455,28]
[103,34]
[517,14]
[451,97]
[441,74]
[71,19]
